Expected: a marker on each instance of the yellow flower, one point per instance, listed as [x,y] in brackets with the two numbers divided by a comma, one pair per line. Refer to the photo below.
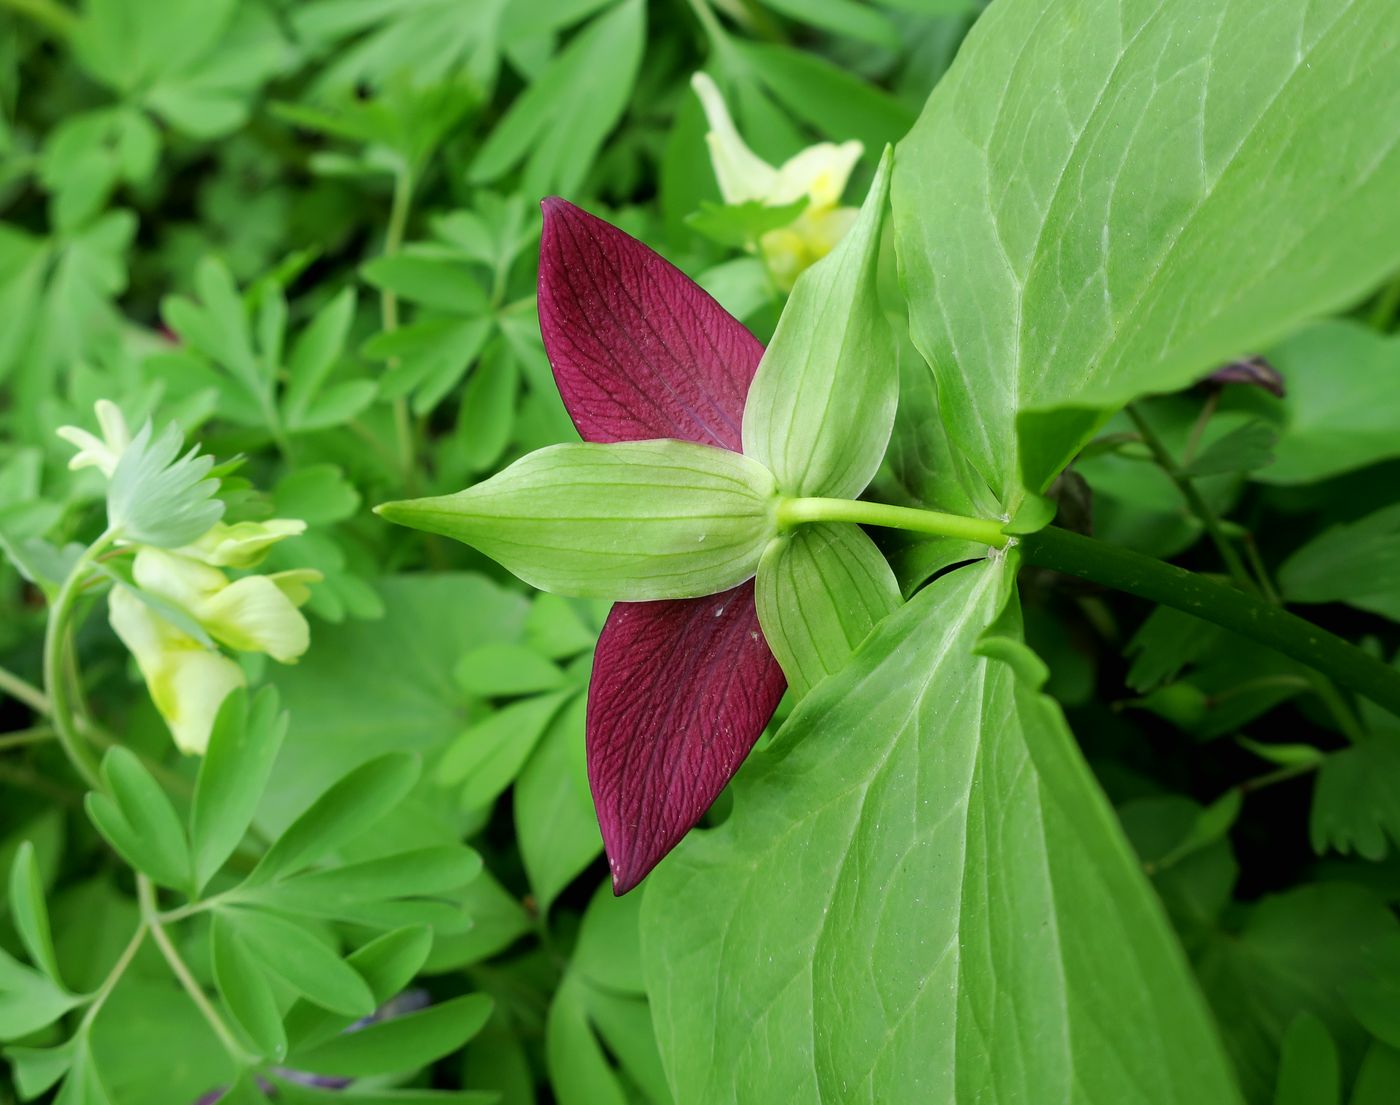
[99,452]
[188,682]
[818,173]
[243,544]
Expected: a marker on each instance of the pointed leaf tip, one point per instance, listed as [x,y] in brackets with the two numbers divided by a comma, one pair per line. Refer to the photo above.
[639,349]
[680,692]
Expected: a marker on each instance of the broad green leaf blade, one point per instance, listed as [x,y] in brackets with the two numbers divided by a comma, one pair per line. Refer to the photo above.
[242,749]
[294,954]
[1342,408]
[349,807]
[578,1068]
[923,854]
[400,1044]
[632,521]
[506,670]
[1103,199]
[820,589]
[821,406]
[245,990]
[31,913]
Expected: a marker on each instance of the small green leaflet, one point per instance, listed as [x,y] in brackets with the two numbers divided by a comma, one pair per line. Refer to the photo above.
[797,940]
[820,589]
[1358,564]
[821,406]
[632,521]
[1105,199]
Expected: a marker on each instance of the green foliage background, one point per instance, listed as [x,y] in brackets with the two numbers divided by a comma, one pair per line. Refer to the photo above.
[305,233]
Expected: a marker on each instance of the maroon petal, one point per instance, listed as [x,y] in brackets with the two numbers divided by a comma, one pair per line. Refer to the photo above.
[639,349]
[680,691]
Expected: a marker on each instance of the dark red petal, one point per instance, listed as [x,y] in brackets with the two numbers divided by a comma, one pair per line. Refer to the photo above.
[681,689]
[639,349]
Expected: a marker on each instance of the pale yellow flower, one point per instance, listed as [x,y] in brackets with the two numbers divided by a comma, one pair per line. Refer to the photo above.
[102,452]
[188,682]
[242,544]
[819,173]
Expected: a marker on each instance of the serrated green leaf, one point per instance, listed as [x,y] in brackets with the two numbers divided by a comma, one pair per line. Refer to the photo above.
[245,990]
[1074,232]
[820,589]
[966,788]
[633,520]
[1356,803]
[31,913]
[822,404]
[348,808]
[294,954]
[243,746]
[400,1044]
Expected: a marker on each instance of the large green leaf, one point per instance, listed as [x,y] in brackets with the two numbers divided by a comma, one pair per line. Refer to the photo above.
[1105,198]
[922,896]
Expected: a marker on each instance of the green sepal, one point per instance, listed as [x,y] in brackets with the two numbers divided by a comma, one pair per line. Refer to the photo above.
[822,405]
[820,590]
[632,521]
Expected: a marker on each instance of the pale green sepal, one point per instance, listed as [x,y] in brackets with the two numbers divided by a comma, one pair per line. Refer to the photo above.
[633,521]
[158,497]
[822,404]
[820,590]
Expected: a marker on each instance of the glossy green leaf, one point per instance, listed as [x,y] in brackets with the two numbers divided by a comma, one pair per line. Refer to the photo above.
[1357,563]
[400,1044]
[554,819]
[821,406]
[294,954]
[820,589]
[348,808]
[1342,408]
[31,913]
[244,987]
[1105,199]
[633,520]
[138,820]
[243,746]
[920,854]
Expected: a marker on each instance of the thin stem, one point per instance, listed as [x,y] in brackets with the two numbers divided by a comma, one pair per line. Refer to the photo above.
[33,735]
[389,313]
[56,643]
[1228,607]
[1193,441]
[1199,507]
[21,690]
[1279,775]
[792,512]
[114,976]
[146,895]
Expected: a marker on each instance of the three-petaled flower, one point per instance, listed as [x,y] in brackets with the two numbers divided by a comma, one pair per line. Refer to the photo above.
[681,688]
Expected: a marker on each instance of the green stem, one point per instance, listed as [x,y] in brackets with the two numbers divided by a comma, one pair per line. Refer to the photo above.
[53,17]
[56,643]
[114,976]
[389,313]
[792,512]
[1228,607]
[21,690]
[33,735]
[1199,507]
[150,914]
